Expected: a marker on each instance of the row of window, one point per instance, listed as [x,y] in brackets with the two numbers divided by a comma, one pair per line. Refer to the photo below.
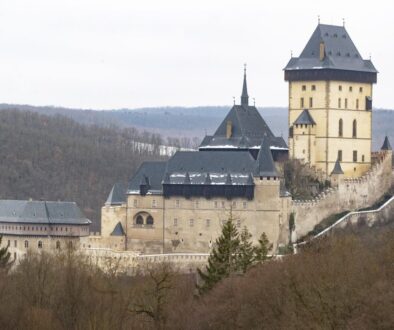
[303,104]
[355,156]
[354,128]
[34,228]
[39,244]
[196,203]
[313,88]
[208,222]
[139,220]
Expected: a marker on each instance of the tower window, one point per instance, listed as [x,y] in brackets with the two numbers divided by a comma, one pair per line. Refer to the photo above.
[313,87]
[350,89]
[304,87]
[340,128]
[345,103]
[154,203]
[339,103]
[355,155]
[357,104]
[363,158]
[354,128]
[310,102]
[302,103]
[340,87]
[208,222]
[191,222]
[339,155]
[149,220]
[175,222]
[361,89]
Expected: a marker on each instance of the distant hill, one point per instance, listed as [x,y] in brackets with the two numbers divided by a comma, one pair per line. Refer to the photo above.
[192,122]
[55,158]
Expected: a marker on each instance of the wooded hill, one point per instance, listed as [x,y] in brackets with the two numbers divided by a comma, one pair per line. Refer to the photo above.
[55,158]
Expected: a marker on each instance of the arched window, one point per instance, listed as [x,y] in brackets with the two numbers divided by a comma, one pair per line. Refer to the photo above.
[40,244]
[26,244]
[149,220]
[139,220]
[340,127]
[354,128]
[57,244]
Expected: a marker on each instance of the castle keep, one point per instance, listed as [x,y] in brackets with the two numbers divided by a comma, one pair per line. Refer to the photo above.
[330,103]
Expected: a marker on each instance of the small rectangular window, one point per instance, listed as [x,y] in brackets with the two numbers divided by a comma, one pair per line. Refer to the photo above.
[216,204]
[310,102]
[304,87]
[191,222]
[339,103]
[350,89]
[345,103]
[208,222]
[340,155]
[302,103]
[223,205]
[244,205]
[357,104]
[355,155]
[313,87]
[340,88]
[197,204]
[363,158]
[175,222]
[154,203]
[15,243]
[135,203]
[177,203]
[361,89]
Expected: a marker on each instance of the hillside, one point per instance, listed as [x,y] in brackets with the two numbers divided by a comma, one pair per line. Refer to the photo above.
[192,122]
[55,158]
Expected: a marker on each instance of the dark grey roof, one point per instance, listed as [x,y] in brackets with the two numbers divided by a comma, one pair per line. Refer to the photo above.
[386,144]
[117,195]
[154,172]
[340,52]
[118,230]
[41,212]
[305,118]
[337,168]
[265,165]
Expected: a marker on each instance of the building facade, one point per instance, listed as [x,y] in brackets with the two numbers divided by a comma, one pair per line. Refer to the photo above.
[330,103]
[41,226]
[181,205]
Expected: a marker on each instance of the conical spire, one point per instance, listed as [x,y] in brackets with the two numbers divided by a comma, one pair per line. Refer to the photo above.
[187,179]
[337,168]
[386,144]
[245,96]
[265,163]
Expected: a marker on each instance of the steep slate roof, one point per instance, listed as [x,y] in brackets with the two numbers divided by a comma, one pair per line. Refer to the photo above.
[337,168]
[41,212]
[154,171]
[118,230]
[386,144]
[117,195]
[305,118]
[340,52]
[265,163]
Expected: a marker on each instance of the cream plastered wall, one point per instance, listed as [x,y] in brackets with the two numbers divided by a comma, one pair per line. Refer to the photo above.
[327,110]
[303,144]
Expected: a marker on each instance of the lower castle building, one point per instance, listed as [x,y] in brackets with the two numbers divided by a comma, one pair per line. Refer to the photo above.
[180,205]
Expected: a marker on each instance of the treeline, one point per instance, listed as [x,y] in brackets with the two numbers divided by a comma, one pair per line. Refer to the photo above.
[341,282]
[55,158]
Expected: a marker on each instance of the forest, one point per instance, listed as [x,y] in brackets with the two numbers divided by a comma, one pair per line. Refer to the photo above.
[54,158]
[344,281]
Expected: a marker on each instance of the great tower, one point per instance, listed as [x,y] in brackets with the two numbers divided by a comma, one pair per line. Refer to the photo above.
[330,103]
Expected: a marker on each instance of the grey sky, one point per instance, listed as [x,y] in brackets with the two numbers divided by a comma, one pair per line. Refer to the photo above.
[118,54]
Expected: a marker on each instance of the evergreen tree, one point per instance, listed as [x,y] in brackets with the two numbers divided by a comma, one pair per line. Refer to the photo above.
[246,250]
[262,249]
[223,260]
[4,257]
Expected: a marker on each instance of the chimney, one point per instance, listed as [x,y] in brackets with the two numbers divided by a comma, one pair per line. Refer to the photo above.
[322,51]
[229,129]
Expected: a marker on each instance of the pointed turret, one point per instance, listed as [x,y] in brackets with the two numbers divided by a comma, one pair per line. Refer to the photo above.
[386,144]
[167,179]
[337,168]
[187,179]
[265,163]
[208,179]
[245,96]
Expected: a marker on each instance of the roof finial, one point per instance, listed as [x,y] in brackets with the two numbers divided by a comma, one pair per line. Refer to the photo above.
[245,96]
[318,19]
[291,53]
[234,100]
[370,56]
[343,22]
[254,102]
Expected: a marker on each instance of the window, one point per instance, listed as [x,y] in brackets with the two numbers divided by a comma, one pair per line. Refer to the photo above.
[154,203]
[57,244]
[223,205]
[177,204]
[339,155]
[191,222]
[340,88]
[216,204]
[363,158]
[339,103]
[15,243]
[361,89]
[313,87]
[355,155]
[302,103]
[197,204]
[357,104]
[208,222]
[135,203]
[149,220]
[175,222]
[244,205]
[304,87]
[350,89]
[139,220]
[40,244]
[26,244]
[354,128]
[345,103]
[310,102]
[340,127]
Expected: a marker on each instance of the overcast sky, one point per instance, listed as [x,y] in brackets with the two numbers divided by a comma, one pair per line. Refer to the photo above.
[129,54]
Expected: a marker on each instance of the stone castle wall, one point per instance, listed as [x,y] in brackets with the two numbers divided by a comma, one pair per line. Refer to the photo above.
[351,194]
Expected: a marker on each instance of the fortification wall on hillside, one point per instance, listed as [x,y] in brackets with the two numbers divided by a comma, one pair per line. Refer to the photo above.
[351,194]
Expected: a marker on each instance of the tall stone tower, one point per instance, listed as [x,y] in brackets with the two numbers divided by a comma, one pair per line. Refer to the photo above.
[330,103]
